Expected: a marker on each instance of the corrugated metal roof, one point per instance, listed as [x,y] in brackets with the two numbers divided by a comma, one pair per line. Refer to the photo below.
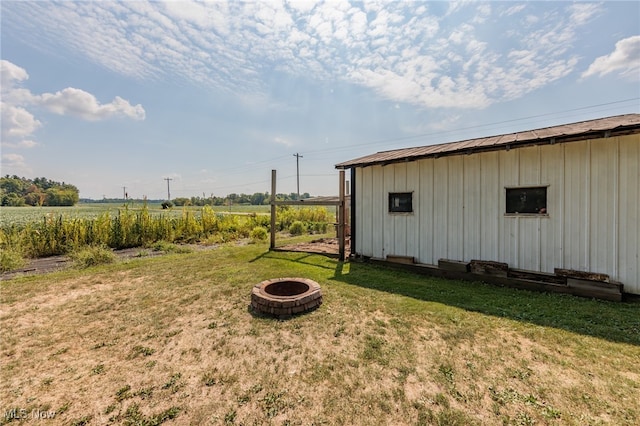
[602,127]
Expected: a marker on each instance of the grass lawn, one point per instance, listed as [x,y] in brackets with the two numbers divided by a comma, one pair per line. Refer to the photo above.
[171,339]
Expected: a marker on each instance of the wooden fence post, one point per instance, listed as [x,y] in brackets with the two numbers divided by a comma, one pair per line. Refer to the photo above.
[341,218]
[273,210]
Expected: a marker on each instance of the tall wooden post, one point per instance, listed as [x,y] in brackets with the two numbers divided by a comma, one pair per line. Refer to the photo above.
[341,218]
[273,210]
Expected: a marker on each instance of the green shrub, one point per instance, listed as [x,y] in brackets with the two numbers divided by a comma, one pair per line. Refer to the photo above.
[167,247]
[319,227]
[297,228]
[61,234]
[258,234]
[92,256]
[11,259]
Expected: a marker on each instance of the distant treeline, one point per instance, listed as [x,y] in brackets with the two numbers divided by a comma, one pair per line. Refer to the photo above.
[20,191]
[257,199]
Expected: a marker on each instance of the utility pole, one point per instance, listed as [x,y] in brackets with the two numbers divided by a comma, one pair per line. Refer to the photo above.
[168,191]
[298,157]
[124,193]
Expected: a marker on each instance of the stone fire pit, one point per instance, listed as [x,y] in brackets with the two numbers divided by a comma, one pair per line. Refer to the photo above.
[284,297]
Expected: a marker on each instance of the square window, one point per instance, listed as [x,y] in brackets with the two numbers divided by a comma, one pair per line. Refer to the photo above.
[529,200]
[400,202]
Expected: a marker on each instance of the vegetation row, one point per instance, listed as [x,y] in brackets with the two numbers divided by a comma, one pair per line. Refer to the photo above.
[17,191]
[55,235]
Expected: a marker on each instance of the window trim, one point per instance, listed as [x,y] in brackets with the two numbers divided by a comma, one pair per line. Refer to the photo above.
[395,212]
[514,214]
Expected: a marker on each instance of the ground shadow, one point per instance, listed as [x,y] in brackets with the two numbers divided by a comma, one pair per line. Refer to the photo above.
[613,321]
[282,318]
[297,257]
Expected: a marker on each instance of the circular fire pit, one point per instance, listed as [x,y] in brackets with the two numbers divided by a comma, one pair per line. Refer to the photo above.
[283,297]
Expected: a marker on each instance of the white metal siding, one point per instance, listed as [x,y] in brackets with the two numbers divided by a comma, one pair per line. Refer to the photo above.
[413,225]
[472,208]
[440,196]
[459,203]
[552,228]
[628,251]
[490,205]
[425,212]
[508,228]
[576,202]
[455,210]
[603,208]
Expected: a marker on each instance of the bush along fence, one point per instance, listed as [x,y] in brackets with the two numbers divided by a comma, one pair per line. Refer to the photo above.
[54,235]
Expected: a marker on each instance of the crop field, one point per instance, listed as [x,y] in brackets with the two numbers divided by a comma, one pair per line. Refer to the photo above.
[28,232]
[23,215]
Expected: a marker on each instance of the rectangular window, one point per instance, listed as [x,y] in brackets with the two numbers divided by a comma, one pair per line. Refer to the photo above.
[400,202]
[529,200]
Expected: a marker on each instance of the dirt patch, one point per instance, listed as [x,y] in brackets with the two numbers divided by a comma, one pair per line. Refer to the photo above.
[326,246]
[45,265]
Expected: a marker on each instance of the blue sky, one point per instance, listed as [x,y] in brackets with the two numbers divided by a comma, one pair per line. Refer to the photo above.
[214,95]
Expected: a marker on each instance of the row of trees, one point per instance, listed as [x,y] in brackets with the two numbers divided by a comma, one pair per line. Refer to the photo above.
[257,199]
[20,191]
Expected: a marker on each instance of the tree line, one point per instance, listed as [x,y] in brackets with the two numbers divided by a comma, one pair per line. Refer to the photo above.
[20,191]
[256,199]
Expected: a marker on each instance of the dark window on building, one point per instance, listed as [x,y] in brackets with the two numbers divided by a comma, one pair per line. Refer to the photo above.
[400,202]
[531,200]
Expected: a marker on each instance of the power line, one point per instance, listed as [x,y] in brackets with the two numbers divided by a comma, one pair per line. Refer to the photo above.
[235,169]
[261,163]
[403,138]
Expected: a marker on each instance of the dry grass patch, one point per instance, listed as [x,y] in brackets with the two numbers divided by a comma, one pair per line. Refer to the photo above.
[171,340]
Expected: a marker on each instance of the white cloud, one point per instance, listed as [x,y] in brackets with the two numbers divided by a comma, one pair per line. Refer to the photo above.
[233,46]
[10,75]
[624,59]
[15,164]
[212,16]
[283,141]
[514,10]
[583,13]
[26,143]
[19,124]
[78,103]
[302,6]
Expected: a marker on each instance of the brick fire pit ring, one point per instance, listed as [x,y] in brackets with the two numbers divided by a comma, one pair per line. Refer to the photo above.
[284,297]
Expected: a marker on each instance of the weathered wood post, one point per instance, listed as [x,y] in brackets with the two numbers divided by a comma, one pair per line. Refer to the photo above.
[341,217]
[273,210]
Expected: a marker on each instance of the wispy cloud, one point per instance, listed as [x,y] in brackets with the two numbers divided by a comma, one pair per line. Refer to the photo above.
[401,50]
[16,163]
[19,124]
[625,59]
[283,141]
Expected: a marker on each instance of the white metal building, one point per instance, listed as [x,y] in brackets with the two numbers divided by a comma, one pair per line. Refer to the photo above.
[560,197]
